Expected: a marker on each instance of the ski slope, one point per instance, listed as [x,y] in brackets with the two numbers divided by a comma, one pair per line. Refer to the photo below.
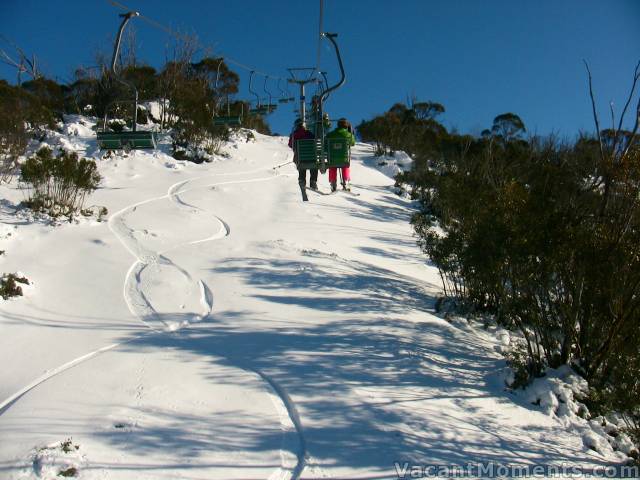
[217,327]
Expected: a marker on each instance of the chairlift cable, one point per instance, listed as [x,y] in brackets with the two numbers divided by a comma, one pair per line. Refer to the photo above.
[182,37]
[319,36]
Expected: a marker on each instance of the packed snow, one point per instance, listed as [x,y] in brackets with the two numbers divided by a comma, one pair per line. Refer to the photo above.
[214,326]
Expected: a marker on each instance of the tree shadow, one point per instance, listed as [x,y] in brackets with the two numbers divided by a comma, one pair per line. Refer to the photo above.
[387,206]
[347,286]
[372,385]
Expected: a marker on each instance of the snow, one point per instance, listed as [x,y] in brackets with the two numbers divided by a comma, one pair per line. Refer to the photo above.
[154,108]
[391,165]
[217,327]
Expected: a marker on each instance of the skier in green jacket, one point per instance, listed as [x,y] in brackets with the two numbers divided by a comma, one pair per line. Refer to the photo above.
[343,130]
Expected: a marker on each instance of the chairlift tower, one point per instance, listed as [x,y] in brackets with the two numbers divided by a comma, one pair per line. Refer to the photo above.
[310,78]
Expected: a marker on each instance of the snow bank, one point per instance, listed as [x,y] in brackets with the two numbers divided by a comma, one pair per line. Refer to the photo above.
[78,125]
[389,165]
[557,394]
[7,232]
[56,460]
[154,108]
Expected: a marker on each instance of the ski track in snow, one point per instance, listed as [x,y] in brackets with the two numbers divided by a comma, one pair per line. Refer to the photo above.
[140,306]
[8,402]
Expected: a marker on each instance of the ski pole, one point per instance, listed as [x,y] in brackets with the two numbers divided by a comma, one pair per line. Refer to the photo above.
[282,165]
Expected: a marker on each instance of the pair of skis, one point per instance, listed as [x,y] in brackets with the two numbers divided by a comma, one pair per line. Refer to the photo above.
[305,197]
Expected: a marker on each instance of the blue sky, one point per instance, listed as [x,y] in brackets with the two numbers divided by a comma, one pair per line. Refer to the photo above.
[478,58]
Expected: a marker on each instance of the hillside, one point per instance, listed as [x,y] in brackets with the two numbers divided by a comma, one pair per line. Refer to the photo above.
[214,326]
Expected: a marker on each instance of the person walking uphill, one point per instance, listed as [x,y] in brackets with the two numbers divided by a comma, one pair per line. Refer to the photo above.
[343,130]
[300,133]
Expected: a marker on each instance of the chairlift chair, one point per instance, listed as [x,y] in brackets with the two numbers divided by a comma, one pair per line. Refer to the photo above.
[259,109]
[127,140]
[338,152]
[310,154]
[231,120]
[228,119]
[271,107]
[284,98]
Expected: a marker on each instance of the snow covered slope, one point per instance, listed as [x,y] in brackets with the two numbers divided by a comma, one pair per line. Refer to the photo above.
[217,327]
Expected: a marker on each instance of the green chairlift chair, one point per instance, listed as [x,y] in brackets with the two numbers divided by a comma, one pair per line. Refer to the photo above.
[125,140]
[228,119]
[310,154]
[338,152]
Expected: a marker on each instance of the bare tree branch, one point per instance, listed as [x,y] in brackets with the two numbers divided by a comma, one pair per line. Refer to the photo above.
[613,117]
[595,113]
[634,133]
[636,75]
[9,61]
[25,65]
[615,134]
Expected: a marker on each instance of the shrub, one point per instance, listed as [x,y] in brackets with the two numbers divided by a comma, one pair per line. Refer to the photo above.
[50,94]
[13,143]
[545,236]
[143,116]
[533,235]
[10,285]
[58,185]
[68,472]
[21,114]
[116,126]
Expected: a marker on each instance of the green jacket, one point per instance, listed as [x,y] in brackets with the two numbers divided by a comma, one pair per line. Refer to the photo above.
[342,133]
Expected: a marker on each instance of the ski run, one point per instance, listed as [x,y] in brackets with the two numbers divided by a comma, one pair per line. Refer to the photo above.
[215,326]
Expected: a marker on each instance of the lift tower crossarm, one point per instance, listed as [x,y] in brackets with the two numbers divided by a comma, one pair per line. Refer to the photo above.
[302,83]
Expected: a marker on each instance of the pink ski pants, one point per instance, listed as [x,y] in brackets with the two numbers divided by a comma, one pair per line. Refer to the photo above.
[333,174]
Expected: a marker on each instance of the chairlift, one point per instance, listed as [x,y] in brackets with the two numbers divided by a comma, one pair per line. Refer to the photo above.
[271,107]
[325,85]
[290,97]
[259,108]
[134,139]
[228,119]
[320,152]
[284,97]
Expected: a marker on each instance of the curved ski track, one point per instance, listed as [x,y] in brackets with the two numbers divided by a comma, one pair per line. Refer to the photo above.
[140,307]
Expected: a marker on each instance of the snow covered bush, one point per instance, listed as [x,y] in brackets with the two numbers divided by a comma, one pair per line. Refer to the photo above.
[10,285]
[58,460]
[194,91]
[58,185]
[116,125]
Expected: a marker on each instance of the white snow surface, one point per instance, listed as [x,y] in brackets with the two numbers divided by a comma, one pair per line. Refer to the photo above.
[390,165]
[217,327]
